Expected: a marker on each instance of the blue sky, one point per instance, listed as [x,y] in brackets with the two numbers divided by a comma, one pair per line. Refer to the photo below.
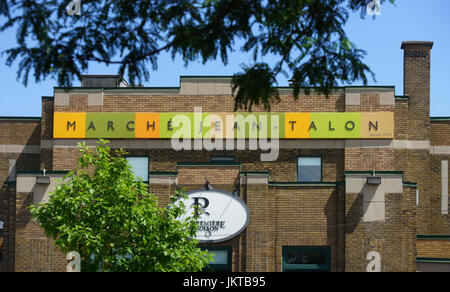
[380,38]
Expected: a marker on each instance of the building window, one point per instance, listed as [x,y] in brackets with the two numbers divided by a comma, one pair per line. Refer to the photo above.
[221,259]
[306,259]
[139,165]
[220,158]
[309,169]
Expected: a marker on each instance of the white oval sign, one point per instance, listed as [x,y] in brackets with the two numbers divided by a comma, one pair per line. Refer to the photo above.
[222,216]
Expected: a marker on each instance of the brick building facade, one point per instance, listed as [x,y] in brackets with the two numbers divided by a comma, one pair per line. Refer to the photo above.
[379,204]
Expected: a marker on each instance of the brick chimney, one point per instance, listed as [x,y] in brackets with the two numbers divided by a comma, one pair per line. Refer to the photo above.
[416,84]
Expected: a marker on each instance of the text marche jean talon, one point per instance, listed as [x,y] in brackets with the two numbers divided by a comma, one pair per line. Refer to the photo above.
[355,125]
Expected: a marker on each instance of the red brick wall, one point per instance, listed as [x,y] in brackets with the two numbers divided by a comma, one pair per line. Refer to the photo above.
[440,133]
[17,132]
[34,252]
[283,169]
[440,223]
[393,239]
[189,175]
[433,248]
[20,132]
[305,216]
[183,103]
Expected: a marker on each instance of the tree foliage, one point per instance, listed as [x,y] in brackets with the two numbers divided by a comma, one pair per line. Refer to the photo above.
[104,213]
[307,36]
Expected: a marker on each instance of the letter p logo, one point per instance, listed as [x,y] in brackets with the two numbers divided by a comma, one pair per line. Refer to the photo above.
[200,208]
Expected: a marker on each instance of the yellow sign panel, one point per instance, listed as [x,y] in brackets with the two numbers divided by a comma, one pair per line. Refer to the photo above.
[377,125]
[296,125]
[147,125]
[69,125]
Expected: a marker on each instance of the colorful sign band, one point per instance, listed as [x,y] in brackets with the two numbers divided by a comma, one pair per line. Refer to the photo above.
[357,125]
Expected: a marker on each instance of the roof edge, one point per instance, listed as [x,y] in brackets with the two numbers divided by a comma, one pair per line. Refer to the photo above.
[417,43]
[12,118]
[440,119]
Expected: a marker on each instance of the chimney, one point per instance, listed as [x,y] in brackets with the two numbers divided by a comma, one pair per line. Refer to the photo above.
[416,84]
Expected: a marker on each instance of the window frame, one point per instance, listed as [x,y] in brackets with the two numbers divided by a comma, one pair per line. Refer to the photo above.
[321,167]
[219,267]
[222,158]
[148,164]
[306,267]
